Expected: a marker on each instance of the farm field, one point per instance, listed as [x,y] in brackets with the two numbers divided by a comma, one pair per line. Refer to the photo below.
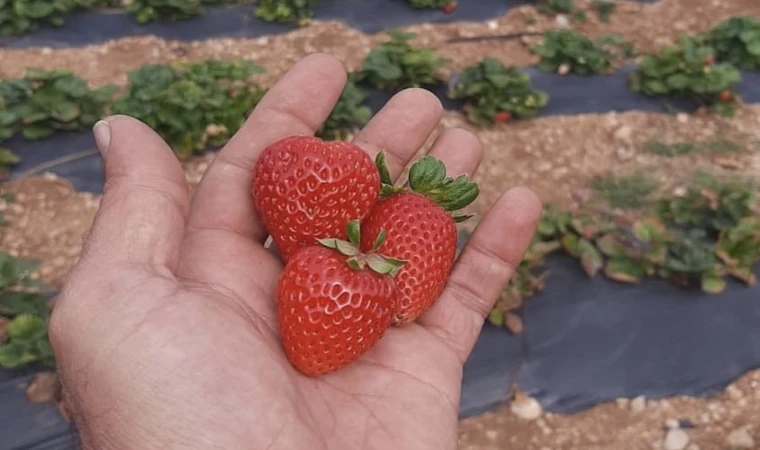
[632,322]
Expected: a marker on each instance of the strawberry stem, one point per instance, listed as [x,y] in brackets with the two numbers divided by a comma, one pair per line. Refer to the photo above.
[428,177]
[358,260]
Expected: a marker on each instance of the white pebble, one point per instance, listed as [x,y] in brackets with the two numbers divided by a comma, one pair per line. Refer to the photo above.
[676,439]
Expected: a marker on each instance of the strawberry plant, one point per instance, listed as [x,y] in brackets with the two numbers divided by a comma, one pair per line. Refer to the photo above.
[736,41]
[297,12]
[604,9]
[192,105]
[688,69]
[349,113]
[397,64]
[7,159]
[700,238]
[44,102]
[566,51]
[149,10]
[23,315]
[447,6]
[550,7]
[490,89]
[22,16]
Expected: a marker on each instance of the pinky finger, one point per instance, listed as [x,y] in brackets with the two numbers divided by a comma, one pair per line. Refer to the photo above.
[484,267]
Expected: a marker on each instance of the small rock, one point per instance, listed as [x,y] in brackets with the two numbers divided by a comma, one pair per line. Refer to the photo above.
[676,439]
[680,191]
[671,424]
[692,446]
[622,403]
[562,21]
[734,392]
[42,388]
[492,24]
[526,407]
[563,69]
[513,323]
[682,117]
[624,153]
[624,133]
[492,435]
[740,439]
[542,166]
[638,404]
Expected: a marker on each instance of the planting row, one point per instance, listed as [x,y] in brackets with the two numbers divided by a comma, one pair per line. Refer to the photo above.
[22,16]
[696,239]
[19,17]
[195,105]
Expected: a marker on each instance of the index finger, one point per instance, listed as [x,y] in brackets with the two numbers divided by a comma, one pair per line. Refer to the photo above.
[296,105]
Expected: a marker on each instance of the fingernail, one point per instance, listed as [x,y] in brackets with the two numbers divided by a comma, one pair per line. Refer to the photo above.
[102,133]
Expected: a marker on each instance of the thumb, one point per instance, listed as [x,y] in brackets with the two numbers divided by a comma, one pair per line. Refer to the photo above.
[145,197]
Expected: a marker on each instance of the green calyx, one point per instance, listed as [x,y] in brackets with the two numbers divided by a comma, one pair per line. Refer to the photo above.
[359,261]
[428,177]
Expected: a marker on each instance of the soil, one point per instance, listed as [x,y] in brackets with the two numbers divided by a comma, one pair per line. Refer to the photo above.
[555,156]
[646,25]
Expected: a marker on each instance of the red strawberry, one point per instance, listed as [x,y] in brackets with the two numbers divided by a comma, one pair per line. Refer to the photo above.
[449,8]
[420,230]
[305,188]
[334,303]
[502,117]
[726,96]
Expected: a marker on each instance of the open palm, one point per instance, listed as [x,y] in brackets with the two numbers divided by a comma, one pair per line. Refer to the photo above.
[166,332]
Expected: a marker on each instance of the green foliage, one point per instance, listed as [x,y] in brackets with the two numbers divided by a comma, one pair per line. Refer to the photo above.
[490,88]
[192,105]
[27,342]
[349,113]
[688,69]
[627,191]
[297,12]
[567,51]
[23,313]
[604,9]
[44,102]
[7,159]
[22,16]
[695,240]
[397,64]
[673,149]
[736,41]
[149,10]
[431,3]
[551,7]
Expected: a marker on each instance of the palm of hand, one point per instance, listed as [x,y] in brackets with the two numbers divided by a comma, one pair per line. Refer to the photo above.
[166,333]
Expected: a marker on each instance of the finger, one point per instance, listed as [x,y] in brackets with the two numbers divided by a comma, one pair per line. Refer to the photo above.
[145,197]
[401,127]
[484,267]
[459,150]
[296,105]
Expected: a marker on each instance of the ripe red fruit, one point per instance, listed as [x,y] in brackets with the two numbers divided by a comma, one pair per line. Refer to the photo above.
[726,96]
[420,230]
[305,189]
[449,8]
[335,303]
[502,117]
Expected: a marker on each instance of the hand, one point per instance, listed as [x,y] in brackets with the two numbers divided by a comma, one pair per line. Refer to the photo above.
[166,333]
